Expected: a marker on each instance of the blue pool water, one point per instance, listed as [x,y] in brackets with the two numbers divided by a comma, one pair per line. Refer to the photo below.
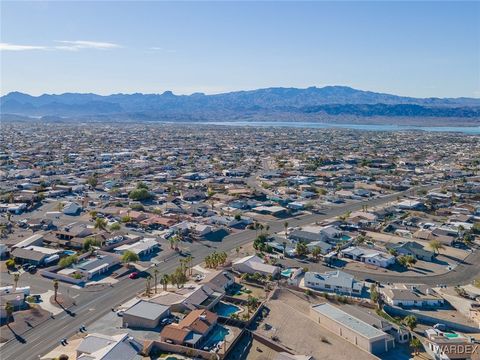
[225,310]
[217,335]
[287,272]
[69,252]
[345,238]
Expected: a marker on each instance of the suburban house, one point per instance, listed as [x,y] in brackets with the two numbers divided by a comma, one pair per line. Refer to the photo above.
[91,266]
[322,245]
[412,296]
[316,233]
[411,205]
[253,264]
[145,315]
[142,247]
[191,330]
[400,333]
[352,329]
[275,210]
[102,347]
[71,208]
[195,228]
[368,256]
[219,280]
[413,249]
[190,297]
[445,345]
[362,218]
[158,222]
[333,281]
[36,239]
[35,255]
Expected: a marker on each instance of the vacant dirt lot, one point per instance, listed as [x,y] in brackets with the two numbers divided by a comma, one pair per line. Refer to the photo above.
[289,321]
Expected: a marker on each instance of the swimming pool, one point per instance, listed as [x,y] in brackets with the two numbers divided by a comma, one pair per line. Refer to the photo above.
[217,335]
[225,310]
[286,272]
[346,238]
[69,252]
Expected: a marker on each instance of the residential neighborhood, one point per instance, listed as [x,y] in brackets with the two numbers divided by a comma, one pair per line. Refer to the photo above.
[164,242]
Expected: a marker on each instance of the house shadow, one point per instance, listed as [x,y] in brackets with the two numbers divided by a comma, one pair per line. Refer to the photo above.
[338,263]
[453,258]
[398,268]
[420,270]
[436,260]
[216,236]
[148,257]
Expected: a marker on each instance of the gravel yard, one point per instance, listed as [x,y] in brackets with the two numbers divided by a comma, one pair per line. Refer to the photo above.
[289,321]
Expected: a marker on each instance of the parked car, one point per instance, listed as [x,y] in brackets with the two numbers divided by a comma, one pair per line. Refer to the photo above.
[167,321]
[133,275]
[441,327]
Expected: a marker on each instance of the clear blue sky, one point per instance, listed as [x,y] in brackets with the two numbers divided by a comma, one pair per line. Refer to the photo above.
[407,48]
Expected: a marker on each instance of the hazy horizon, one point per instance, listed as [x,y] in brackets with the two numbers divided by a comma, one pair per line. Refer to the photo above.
[220,93]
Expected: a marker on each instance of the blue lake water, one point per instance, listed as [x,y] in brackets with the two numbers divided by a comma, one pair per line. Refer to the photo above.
[471,130]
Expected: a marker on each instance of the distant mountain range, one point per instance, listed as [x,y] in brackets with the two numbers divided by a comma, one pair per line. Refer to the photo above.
[328,103]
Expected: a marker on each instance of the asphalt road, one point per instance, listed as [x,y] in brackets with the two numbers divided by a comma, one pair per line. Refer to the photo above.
[92,306]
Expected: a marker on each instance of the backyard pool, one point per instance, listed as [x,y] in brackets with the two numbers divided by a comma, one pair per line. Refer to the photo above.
[225,310]
[287,272]
[69,252]
[217,335]
[346,238]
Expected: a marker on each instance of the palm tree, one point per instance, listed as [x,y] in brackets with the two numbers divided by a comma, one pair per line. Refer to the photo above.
[155,275]
[190,264]
[9,310]
[128,257]
[183,265]
[410,321]
[16,277]
[284,244]
[55,288]
[316,251]
[436,246]
[360,239]
[285,225]
[415,344]
[100,224]
[164,281]
[179,277]
[174,240]
[375,295]
[147,285]
[252,303]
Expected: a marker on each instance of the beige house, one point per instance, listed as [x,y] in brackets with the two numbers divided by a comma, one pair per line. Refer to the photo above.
[352,329]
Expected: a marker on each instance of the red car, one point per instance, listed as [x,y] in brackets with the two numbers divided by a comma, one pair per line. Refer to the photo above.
[133,275]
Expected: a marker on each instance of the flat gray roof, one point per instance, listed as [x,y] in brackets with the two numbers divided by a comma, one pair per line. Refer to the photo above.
[147,310]
[348,321]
